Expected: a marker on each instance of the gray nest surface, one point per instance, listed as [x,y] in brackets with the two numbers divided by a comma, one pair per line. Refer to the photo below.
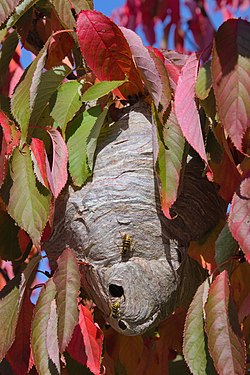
[142,285]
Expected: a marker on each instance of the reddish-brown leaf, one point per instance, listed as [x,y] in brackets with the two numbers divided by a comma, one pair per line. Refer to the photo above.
[59,172]
[231,77]
[185,106]
[245,308]
[86,343]
[158,58]
[40,161]
[106,50]
[225,173]
[239,219]
[225,346]
[145,64]
[19,354]
[10,133]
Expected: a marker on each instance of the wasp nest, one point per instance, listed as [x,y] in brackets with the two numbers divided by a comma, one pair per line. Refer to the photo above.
[137,270]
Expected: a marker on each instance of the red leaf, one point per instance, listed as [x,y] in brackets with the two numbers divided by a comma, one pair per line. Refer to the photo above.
[185,106]
[19,354]
[231,79]
[40,161]
[10,133]
[105,50]
[23,240]
[174,62]
[145,64]
[200,25]
[86,343]
[59,165]
[239,219]
[225,346]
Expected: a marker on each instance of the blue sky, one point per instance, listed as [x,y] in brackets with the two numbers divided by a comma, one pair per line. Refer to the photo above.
[107,6]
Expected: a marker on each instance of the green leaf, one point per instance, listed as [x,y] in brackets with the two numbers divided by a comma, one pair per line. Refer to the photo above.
[27,205]
[79,133]
[20,10]
[93,137]
[194,343]
[6,8]
[67,280]
[169,162]
[101,89]
[9,245]
[23,99]
[68,102]
[6,54]
[63,10]
[49,83]
[225,247]
[44,341]
[9,309]
[204,81]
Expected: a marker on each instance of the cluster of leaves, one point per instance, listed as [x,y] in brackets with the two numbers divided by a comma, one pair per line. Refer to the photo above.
[51,116]
[185,24]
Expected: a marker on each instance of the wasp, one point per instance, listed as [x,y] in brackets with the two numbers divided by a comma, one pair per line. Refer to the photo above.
[115,309]
[127,242]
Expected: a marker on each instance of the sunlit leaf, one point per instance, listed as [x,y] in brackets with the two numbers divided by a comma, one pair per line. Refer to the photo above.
[68,102]
[166,90]
[239,219]
[231,77]
[6,54]
[185,106]
[23,99]
[225,346]
[79,132]
[225,247]
[44,342]
[67,281]
[101,89]
[27,205]
[106,50]
[6,8]
[59,173]
[40,161]
[49,83]
[204,81]
[169,161]
[19,354]
[194,343]
[145,64]
[86,343]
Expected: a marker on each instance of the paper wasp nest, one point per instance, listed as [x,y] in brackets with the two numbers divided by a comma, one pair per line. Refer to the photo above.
[138,271]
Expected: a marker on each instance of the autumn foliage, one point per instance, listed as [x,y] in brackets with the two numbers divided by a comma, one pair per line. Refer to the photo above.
[200,102]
